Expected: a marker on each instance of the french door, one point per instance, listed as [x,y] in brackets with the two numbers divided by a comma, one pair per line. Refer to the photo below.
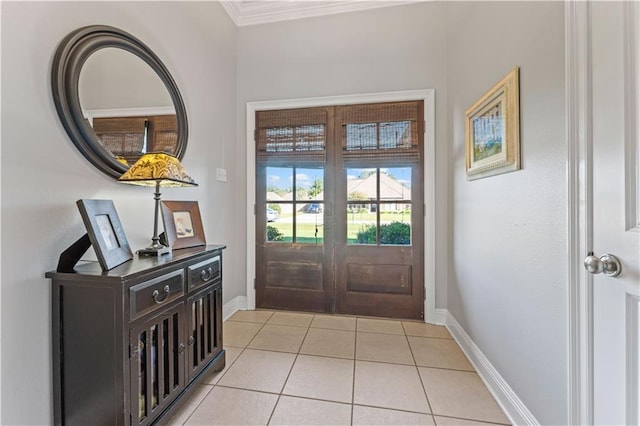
[339,209]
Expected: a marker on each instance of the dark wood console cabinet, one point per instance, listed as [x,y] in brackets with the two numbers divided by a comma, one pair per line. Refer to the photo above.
[131,344]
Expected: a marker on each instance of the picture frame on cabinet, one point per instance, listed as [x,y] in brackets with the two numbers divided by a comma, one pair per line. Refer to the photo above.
[182,224]
[492,130]
[105,232]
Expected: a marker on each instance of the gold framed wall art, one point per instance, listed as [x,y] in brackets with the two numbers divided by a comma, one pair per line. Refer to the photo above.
[492,130]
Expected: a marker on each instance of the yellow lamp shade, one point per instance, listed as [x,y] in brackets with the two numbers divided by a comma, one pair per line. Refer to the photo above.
[157,168]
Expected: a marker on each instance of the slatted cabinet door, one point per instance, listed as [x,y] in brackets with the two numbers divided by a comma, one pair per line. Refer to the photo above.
[204,312]
[157,350]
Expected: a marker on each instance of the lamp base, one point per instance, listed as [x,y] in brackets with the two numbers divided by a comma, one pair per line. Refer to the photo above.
[154,251]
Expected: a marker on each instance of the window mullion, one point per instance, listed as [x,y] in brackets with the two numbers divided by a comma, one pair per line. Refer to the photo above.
[378,205]
[294,196]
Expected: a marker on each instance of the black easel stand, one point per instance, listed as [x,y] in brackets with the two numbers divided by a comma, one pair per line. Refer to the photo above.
[72,255]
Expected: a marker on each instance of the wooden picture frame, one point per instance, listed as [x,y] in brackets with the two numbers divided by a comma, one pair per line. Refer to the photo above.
[492,130]
[105,232]
[182,224]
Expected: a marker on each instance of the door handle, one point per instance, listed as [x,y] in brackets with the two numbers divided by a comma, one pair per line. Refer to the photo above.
[607,264]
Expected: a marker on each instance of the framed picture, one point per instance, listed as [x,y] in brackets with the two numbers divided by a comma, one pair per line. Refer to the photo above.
[182,224]
[492,130]
[105,232]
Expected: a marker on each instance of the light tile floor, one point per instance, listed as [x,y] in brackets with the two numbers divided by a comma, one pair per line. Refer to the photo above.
[287,368]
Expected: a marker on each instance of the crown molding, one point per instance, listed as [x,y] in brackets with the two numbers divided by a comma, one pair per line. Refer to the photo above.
[244,13]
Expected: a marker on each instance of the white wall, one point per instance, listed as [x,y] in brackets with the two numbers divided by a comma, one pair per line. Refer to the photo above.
[508,278]
[43,174]
[383,50]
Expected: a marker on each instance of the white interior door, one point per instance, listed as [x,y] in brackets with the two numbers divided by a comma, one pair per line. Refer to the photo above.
[616,211]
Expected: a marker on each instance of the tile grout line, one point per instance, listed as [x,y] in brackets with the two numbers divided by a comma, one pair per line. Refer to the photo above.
[362,360]
[353,380]
[290,370]
[472,420]
[424,389]
[402,410]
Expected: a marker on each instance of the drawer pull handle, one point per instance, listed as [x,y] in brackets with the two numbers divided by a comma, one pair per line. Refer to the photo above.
[181,348]
[191,340]
[156,294]
[206,274]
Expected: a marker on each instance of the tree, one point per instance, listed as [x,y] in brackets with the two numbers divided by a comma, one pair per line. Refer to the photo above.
[316,188]
[273,234]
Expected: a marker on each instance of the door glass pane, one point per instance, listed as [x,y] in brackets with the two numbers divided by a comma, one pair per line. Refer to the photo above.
[361,186]
[387,190]
[395,209]
[361,224]
[309,223]
[279,139]
[362,196]
[280,223]
[309,215]
[362,136]
[279,183]
[396,134]
[395,224]
[279,207]
[309,184]
[310,137]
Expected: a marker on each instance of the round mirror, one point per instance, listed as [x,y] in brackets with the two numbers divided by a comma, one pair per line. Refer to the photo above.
[116,99]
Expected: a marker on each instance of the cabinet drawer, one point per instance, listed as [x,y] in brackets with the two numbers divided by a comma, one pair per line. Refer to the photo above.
[204,272]
[149,295]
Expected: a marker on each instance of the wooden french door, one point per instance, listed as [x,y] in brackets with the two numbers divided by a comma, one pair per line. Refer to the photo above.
[339,209]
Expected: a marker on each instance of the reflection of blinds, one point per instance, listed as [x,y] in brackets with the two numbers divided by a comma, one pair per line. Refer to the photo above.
[291,137]
[380,134]
[123,136]
[164,134]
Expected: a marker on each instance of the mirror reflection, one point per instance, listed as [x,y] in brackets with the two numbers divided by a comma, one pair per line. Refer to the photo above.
[127,105]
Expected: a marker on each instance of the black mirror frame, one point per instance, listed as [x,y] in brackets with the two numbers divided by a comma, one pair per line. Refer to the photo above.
[69,58]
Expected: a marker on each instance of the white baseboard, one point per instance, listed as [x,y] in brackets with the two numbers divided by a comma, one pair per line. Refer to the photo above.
[513,407]
[234,305]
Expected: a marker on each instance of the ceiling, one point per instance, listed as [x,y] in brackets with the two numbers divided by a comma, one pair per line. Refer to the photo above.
[254,12]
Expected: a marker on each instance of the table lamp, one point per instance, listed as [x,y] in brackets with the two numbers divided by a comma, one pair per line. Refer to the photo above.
[160,170]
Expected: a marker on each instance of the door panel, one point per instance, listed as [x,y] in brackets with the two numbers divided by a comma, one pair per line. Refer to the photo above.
[294,266]
[292,261]
[379,242]
[616,300]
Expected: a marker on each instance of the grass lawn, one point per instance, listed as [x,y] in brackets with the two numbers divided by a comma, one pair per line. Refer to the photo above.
[355,223]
